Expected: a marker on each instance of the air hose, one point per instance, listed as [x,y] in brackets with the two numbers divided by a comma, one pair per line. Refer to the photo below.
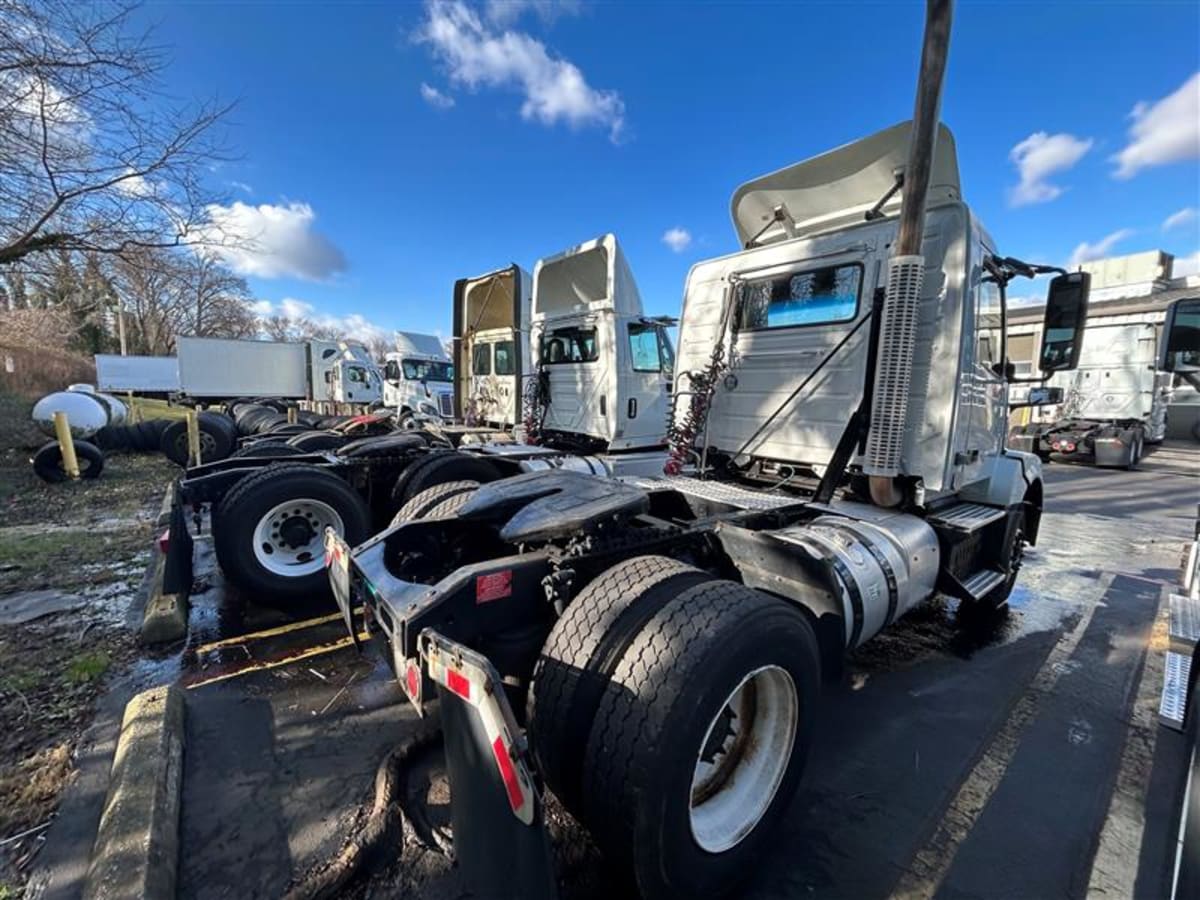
[381,832]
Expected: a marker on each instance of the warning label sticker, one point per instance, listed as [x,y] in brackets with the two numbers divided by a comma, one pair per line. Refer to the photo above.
[493,586]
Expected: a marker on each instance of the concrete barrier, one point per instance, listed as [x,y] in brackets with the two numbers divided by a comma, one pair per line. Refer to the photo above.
[165,618]
[137,847]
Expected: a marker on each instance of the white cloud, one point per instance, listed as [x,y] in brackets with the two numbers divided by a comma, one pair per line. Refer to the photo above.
[1037,158]
[677,238]
[1086,252]
[1165,131]
[353,325]
[242,186]
[1187,265]
[505,12]
[476,55]
[1183,217]
[435,98]
[269,241]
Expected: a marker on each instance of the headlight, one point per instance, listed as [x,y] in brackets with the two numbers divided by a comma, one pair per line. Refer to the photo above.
[427,408]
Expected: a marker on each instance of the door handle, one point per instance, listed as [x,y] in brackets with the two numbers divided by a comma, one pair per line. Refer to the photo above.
[633,407]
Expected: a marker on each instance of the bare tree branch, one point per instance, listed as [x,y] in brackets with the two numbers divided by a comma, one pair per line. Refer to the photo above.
[92,158]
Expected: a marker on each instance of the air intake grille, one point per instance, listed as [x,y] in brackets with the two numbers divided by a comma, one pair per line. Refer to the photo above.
[893,372]
[446,402]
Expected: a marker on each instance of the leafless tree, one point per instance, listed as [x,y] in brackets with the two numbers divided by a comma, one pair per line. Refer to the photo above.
[92,157]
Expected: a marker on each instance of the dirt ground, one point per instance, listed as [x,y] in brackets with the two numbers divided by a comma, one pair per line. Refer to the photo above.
[83,548]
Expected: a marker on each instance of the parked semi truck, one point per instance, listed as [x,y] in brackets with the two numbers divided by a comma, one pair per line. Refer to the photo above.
[264,545]
[603,368]
[651,649]
[322,371]
[1114,403]
[418,379]
[492,358]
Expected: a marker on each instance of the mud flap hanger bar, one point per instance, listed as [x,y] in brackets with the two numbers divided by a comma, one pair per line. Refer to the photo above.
[500,839]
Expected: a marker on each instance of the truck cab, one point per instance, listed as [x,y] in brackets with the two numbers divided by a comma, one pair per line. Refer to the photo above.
[491,347]
[837,430]
[418,380]
[343,372]
[604,367]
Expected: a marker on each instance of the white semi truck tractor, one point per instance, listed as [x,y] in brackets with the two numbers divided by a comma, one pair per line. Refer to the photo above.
[652,649]
[418,380]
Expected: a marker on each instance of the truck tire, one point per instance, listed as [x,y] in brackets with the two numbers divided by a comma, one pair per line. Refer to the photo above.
[265,449]
[269,532]
[217,439]
[420,506]
[579,656]
[48,461]
[701,738]
[1188,860]
[1137,443]
[312,441]
[441,468]
[449,506]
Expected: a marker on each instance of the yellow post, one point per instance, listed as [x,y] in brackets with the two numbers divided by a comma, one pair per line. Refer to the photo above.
[62,430]
[134,412]
[193,429]
[291,414]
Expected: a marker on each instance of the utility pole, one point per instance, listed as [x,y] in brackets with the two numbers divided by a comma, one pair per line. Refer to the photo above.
[121,324]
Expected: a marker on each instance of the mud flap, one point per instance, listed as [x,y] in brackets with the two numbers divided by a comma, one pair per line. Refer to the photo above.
[500,839]
[177,568]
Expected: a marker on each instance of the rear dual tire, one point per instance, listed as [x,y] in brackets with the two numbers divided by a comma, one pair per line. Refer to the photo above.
[700,732]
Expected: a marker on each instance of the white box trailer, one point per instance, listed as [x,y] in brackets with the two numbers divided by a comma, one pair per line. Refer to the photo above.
[220,368]
[211,368]
[140,374]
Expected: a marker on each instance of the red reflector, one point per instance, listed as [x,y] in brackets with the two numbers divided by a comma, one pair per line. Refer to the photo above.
[164,541]
[1068,446]
[516,798]
[412,680]
[494,586]
[1056,445]
[459,684]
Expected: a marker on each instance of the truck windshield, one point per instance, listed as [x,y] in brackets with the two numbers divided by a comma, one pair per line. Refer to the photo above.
[569,345]
[428,370]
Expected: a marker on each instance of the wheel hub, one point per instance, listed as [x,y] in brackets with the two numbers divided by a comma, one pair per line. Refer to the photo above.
[296,531]
[743,758]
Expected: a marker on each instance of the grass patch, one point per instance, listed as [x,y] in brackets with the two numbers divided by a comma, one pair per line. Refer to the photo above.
[154,409]
[87,667]
[24,680]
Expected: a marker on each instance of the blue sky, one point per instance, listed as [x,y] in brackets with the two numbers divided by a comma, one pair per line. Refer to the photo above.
[388,149]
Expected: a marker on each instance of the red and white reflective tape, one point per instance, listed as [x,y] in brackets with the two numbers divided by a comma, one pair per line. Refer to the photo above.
[470,682]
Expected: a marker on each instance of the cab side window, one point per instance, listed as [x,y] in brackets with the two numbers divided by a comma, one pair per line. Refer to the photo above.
[481,363]
[989,335]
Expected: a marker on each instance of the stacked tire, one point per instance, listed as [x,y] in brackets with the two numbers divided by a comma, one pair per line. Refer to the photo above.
[671,712]
[218,438]
[142,437]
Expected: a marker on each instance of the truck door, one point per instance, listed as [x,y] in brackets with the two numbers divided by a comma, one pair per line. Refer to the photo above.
[647,364]
[579,360]
[392,385]
[983,383]
[354,384]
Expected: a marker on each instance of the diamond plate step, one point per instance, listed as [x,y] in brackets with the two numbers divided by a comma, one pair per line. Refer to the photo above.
[1173,702]
[983,581]
[719,492]
[1185,622]
[966,517]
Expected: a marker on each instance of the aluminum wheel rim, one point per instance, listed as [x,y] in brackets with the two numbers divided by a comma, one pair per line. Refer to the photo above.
[288,539]
[743,758]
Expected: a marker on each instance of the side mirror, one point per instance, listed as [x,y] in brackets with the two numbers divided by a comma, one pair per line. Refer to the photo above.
[1066,316]
[1181,337]
[1035,396]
